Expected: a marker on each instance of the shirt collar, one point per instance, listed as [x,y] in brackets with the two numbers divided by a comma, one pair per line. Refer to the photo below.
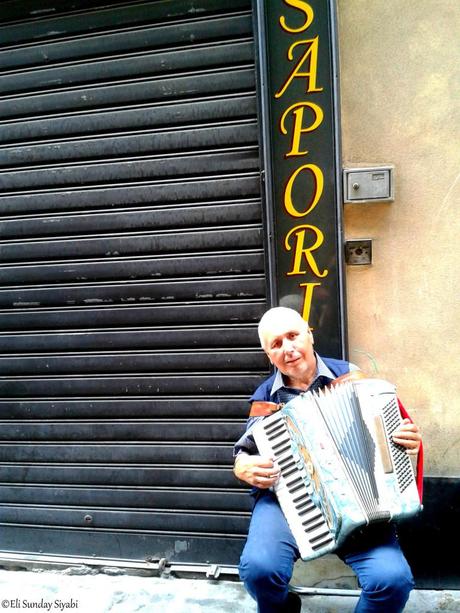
[321,371]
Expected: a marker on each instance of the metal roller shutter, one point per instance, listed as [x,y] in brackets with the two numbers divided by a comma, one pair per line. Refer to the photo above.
[132,275]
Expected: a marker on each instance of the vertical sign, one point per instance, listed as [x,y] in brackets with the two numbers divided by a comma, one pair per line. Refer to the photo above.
[299,115]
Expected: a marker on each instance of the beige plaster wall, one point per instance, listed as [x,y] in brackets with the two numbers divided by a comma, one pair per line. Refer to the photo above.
[400,92]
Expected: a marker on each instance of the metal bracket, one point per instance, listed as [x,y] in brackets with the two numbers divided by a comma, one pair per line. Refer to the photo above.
[213,572]
[358,252]
[162,565]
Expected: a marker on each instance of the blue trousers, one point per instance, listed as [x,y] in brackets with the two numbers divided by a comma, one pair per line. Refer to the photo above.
[268,558]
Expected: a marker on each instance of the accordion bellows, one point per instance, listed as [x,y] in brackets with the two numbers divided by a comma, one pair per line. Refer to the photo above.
[340,469]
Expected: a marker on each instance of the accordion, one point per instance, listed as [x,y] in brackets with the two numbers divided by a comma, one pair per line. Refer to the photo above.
[339,468]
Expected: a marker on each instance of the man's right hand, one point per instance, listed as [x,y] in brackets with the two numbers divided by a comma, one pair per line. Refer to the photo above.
[256,470]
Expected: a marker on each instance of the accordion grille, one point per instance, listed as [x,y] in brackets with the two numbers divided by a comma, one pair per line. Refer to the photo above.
[401,461]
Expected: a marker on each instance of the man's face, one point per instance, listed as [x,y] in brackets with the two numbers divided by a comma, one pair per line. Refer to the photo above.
[289,345]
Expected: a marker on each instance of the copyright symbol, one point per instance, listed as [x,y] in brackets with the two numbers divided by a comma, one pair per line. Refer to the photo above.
[5,604]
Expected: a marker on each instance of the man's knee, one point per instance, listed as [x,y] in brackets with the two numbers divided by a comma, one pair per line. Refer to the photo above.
[260,571]
[257,569]
[390,581]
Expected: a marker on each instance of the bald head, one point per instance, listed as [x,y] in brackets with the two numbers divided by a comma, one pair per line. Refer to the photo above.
[286,339]
[278,318]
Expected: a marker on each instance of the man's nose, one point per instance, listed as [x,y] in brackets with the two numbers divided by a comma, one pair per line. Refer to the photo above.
[288,345]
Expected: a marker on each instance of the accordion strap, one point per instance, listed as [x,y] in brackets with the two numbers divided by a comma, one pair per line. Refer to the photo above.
[262,408]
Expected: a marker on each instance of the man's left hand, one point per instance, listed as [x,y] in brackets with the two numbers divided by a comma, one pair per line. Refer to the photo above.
[408,435]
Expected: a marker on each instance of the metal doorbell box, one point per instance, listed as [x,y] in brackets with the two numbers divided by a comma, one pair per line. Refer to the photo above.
[368,184]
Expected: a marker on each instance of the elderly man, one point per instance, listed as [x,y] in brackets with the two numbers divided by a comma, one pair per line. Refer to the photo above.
[268,557]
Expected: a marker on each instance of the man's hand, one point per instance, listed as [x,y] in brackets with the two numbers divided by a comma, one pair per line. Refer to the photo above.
[408,435]
[256,470]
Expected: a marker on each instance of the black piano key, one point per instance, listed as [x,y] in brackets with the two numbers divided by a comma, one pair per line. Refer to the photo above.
[307,508]
[295,485]
[315,525]
[280,451]
[296,488]
[271,428]
[279,440]
[287,462]
[289,472]
[298,479]
[303,501]
[318,537]
[287,459]
[302,496]
[276,435]
[321,544]
[311,520]
[303,512]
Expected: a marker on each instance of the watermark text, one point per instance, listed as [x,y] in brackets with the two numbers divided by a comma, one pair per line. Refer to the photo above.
[58,604]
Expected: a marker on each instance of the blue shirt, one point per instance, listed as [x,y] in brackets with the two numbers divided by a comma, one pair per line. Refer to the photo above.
[274,389]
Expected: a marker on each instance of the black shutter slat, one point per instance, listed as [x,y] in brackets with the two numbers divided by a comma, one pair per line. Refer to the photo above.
[132,362]
[147,338]
[190,266]
[213,27]
[187,384]
[138,65]
[185,189]
[97,17]
[200,110]
[214,81]
[158,498]
[183,137]
[132,271]
[126,244]
[108,317]
[203,522]
[200,214]
[164,291]
[151,453]
[129,544]
[152,430]
[171,165]
[116,408]
[126,475]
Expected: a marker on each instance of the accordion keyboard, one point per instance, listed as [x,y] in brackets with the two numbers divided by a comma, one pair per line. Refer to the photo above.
[305,519]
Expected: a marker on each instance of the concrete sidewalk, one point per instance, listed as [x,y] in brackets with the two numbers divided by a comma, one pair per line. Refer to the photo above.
[83,591]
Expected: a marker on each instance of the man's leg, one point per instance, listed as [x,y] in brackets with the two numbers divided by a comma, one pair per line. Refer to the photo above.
[268,557]
[383,572]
